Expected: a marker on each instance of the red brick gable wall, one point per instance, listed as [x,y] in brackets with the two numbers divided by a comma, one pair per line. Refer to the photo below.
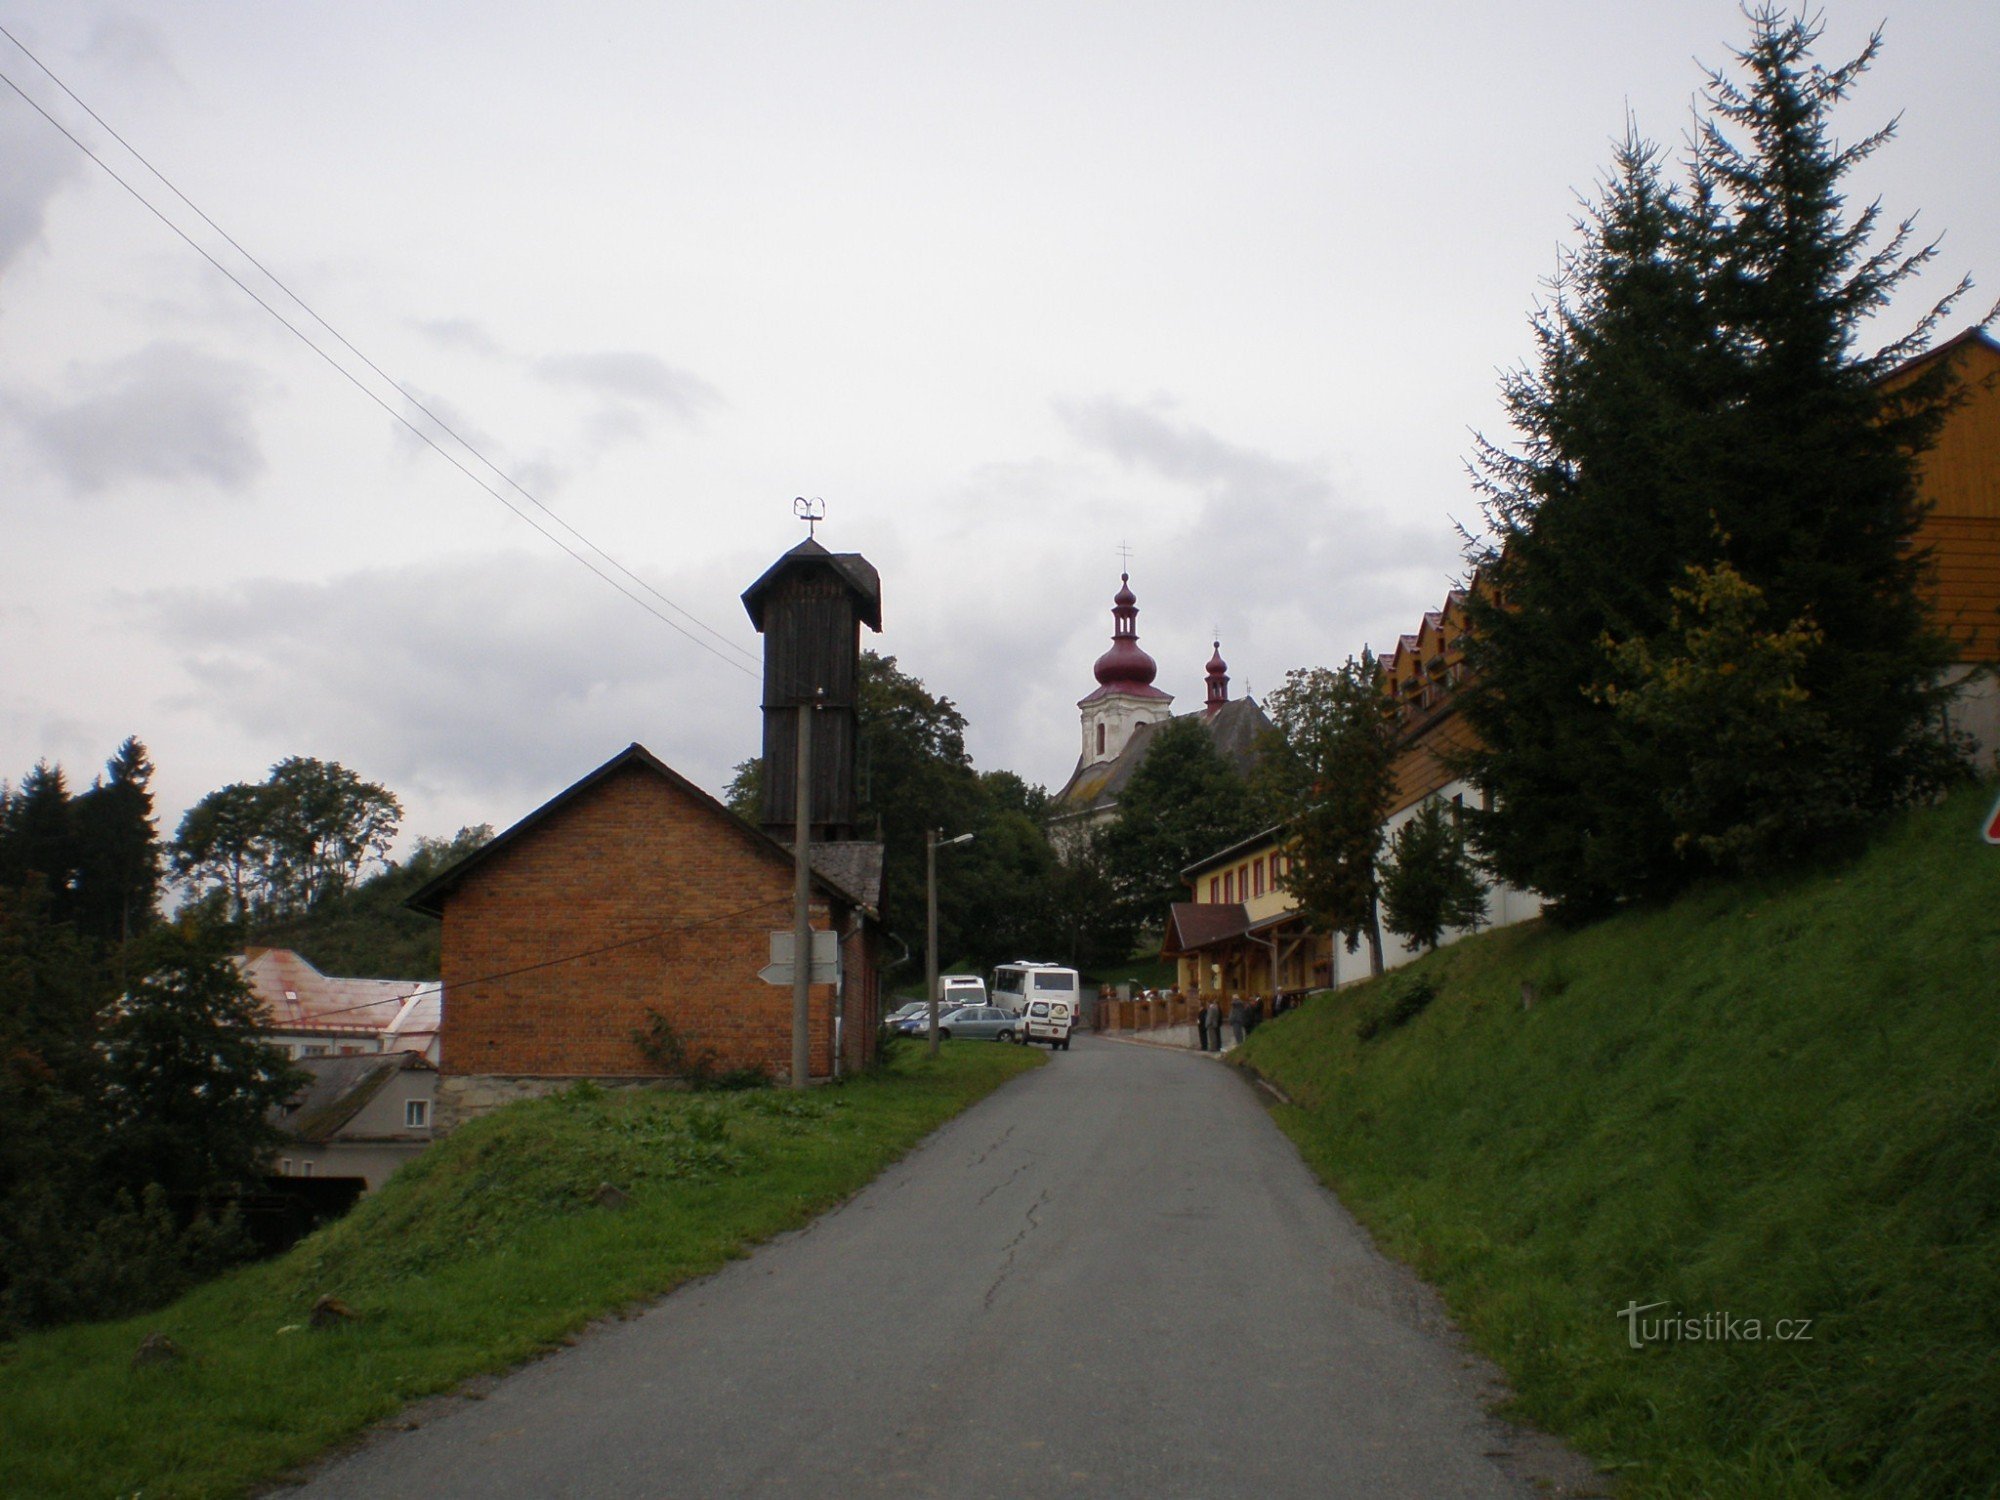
[632,858]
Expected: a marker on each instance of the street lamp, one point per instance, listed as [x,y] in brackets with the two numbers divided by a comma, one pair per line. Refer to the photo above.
[932,843]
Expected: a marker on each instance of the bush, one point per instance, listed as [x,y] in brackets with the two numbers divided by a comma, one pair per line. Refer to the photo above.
[1402,1001]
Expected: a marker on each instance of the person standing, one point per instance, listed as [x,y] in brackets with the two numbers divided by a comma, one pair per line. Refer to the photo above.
[1201,1026]
[1236,1019]
[1211,1015]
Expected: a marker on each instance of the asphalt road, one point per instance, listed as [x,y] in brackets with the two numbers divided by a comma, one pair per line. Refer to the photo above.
[1113,1278]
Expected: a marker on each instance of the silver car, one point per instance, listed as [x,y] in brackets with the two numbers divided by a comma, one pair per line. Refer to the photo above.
[986,1022]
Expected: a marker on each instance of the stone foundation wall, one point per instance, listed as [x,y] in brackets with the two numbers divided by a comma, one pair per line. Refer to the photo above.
[467,1096]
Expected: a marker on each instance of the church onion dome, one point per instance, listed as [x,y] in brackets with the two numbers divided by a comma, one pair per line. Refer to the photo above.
[1125,664]
[1217,667]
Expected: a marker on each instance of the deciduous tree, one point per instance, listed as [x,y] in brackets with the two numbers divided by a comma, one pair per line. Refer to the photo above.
[1183,802]
[1326,776]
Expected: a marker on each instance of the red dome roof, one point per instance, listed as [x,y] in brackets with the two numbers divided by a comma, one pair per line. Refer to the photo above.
[1125,664]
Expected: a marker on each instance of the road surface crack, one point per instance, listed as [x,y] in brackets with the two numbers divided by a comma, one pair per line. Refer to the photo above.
[1029,1225]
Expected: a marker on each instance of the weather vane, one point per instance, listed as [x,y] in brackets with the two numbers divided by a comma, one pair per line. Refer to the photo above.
[812,512]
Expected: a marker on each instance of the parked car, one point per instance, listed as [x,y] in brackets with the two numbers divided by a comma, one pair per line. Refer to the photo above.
[1048,1022]
[903,1013]
[987,1022]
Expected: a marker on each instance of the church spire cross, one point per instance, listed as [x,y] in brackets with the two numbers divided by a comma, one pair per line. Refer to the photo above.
[812,512]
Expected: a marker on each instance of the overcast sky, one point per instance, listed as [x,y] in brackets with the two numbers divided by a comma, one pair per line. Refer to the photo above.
[1008,285]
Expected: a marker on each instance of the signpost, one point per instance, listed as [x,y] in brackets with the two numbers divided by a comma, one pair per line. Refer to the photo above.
[825,958]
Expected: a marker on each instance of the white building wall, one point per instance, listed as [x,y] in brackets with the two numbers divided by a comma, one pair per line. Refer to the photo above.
[1505,904]
[1120,716]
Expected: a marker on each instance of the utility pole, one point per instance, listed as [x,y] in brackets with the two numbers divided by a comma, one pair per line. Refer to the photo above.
[930,931]
[931,847]
[802,954]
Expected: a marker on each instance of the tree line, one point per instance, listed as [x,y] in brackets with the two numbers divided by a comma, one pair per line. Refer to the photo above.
[136,1093]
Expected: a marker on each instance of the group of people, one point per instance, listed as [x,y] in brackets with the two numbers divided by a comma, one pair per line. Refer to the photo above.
[1244,1014]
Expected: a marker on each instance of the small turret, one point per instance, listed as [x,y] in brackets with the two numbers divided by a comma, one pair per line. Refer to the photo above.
[1218,683]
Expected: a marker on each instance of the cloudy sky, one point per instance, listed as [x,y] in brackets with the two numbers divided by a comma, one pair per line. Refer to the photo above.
[1009,286]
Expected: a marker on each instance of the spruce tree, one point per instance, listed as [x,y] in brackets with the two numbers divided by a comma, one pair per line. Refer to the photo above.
[1697,399]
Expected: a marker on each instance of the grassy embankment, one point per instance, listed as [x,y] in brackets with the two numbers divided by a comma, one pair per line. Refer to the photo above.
[484,1252]
[1777,1100]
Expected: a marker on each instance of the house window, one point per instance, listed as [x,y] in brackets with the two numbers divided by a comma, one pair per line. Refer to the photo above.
[313,1049]
[1100,739]
[1257,875]
[1243,881]
[305,1169]
[416,1113]
[284,1166]
[1214,889]
[1229,885]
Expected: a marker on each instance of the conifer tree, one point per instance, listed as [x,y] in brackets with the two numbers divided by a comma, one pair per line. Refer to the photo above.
[1697,399]
[1429,882]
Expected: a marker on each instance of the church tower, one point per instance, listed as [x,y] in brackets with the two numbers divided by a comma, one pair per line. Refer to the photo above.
[1218,684]
[1125,696]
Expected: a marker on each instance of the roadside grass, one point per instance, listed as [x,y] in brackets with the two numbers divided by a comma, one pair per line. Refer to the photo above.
[1777,1100]
[486,1251]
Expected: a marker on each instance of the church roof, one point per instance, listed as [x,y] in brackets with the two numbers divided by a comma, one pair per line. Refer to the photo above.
[1235,728]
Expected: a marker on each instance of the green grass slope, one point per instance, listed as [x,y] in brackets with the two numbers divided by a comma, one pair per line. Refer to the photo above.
[1770,1101]
[486,1250]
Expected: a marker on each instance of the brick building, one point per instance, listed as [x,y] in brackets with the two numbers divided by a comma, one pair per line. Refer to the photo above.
[635,894]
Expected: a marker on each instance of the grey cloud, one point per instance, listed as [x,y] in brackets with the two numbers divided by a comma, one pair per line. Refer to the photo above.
[168,412]
[130,46]
[497,680]
[35,164]
[461,334]
[1147,437]
[630,375]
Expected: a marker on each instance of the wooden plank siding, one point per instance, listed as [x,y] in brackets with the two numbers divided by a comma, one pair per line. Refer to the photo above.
[1960,480]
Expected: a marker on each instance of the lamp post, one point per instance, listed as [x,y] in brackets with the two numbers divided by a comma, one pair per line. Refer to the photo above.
[932,843]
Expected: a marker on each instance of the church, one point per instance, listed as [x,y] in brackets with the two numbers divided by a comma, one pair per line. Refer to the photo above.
[1124,712]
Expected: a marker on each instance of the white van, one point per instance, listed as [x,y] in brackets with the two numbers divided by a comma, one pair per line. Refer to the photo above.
[1048,996]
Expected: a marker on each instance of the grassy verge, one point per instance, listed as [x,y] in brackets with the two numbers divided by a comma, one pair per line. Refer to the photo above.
[485,1251]
[1770,1101]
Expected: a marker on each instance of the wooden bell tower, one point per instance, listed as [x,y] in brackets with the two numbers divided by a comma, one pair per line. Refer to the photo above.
[809,607]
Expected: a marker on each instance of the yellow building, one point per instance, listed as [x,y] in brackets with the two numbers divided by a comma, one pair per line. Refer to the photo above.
[1242,934]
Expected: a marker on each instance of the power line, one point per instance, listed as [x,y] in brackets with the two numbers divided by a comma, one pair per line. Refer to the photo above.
[357,382]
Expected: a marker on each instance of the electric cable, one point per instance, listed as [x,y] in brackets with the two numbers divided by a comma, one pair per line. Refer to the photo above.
[360,385]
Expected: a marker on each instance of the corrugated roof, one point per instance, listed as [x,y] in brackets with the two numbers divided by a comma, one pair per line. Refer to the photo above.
[298,998]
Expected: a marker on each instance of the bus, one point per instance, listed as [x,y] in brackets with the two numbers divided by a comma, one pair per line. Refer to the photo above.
[1018,986]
